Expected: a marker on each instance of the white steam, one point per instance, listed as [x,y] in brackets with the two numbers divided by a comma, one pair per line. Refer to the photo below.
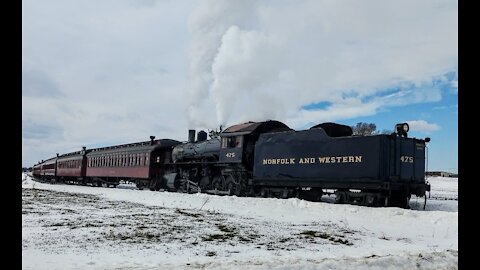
[255,60]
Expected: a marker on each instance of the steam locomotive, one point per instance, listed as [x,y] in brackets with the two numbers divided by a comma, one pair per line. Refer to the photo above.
[266,159]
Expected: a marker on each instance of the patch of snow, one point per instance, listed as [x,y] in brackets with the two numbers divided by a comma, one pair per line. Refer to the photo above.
[81,227]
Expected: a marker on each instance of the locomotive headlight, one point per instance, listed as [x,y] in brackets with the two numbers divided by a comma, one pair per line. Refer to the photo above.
[406,128]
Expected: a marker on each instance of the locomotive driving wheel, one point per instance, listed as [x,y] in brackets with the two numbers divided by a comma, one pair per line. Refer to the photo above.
[218,183]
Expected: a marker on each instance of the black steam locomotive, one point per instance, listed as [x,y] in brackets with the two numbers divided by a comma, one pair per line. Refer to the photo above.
[266,159]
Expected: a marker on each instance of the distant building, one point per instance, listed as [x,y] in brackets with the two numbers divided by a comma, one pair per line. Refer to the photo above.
[440,173]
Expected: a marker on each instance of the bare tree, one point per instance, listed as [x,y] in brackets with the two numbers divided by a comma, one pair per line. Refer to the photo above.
[363,129]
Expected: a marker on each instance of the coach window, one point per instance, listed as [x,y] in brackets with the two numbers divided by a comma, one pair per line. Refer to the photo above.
[146,159]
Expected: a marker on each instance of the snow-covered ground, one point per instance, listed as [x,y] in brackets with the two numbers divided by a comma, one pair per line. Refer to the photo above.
[79,227]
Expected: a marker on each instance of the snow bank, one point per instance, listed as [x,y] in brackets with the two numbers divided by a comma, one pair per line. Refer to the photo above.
[379,237]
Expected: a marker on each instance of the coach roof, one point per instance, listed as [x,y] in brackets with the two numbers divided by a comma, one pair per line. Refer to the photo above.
[139,146]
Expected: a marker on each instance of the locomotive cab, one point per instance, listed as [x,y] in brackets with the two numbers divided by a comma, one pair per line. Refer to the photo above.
[231,149]
[238,141]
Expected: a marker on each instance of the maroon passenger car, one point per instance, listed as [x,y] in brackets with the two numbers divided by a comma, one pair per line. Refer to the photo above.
[137,162]
[37,168]
[72,167]
[48,169]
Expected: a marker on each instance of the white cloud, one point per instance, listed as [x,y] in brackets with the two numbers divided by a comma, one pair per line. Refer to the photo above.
[422,126]
[323,52]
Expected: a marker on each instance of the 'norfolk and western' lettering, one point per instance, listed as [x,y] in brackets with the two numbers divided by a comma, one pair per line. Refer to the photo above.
[312,160]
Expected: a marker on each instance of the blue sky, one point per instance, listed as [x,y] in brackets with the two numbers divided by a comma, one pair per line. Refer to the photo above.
[96,73]
[443,147]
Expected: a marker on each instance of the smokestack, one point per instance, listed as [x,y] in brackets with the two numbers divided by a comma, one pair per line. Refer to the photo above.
[191,135]
[84,148]
[57,154]
[151,139]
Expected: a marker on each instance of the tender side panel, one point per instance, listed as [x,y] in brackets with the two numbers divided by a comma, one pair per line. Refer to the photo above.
[289,157]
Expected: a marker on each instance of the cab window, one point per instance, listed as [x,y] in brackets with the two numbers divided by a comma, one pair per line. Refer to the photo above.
[232,142]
